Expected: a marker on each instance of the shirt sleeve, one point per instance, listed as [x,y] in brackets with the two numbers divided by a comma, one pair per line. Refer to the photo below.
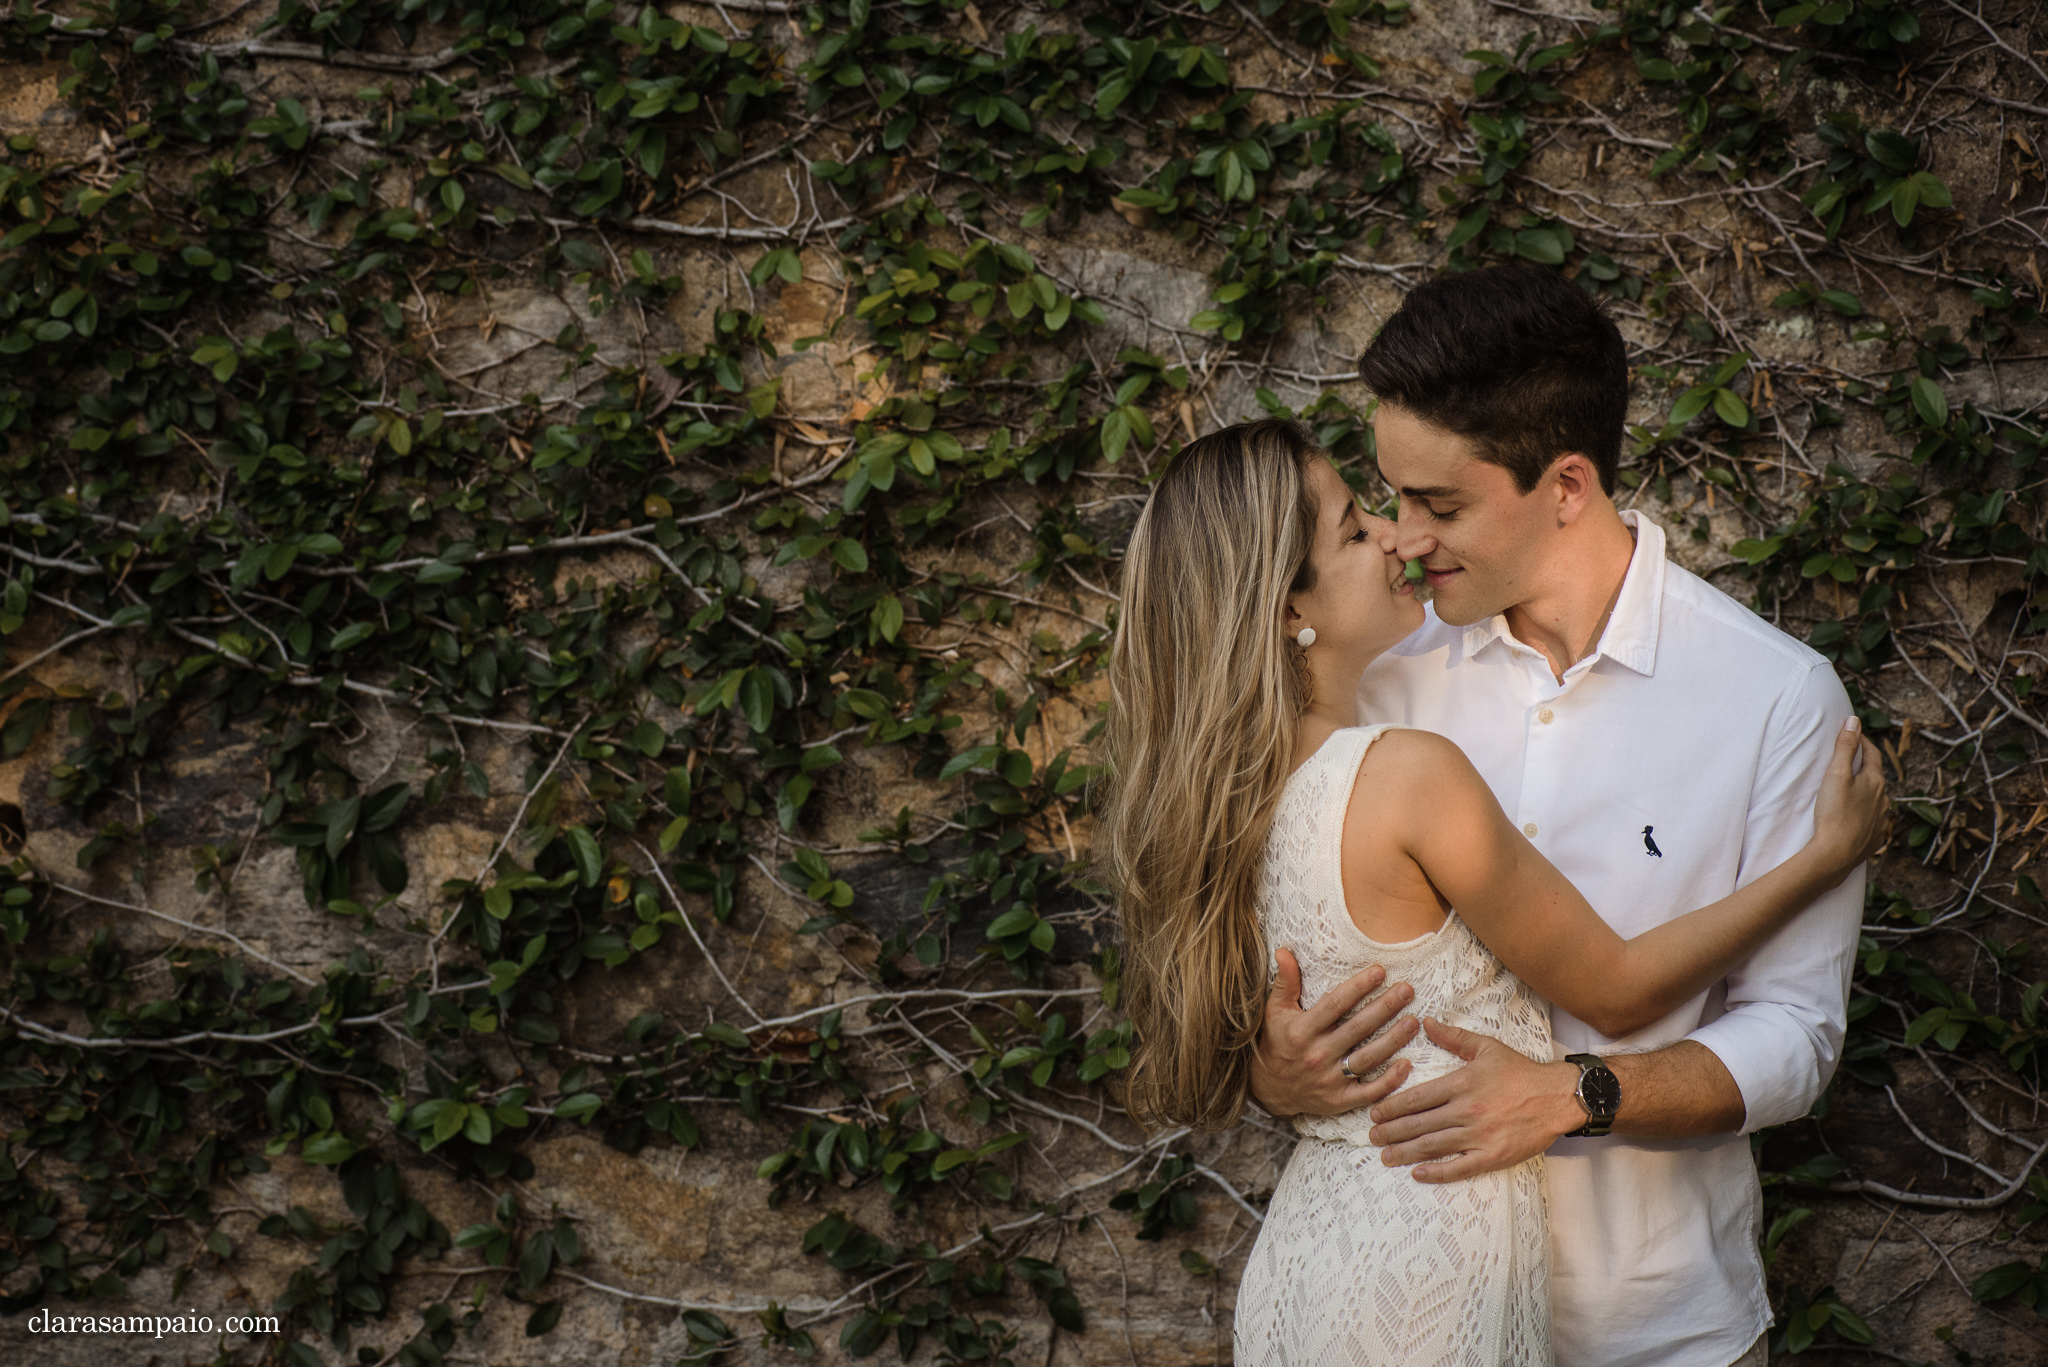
[1787,1003]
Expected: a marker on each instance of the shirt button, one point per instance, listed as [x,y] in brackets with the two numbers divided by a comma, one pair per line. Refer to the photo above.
[1546,716]
[1530,830]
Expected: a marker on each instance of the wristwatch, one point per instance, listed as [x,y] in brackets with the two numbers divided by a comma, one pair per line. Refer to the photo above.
[1599,1091]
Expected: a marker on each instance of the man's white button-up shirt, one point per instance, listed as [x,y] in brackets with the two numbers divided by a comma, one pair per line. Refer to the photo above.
[1671,766]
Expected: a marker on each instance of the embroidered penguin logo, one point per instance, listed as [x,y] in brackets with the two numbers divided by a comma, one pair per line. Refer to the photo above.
[1649,844]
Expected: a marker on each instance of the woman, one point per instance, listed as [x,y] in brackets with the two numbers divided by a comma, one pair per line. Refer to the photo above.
[1247,811]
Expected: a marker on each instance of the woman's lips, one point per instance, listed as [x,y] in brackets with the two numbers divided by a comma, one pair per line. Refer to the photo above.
[1438,578]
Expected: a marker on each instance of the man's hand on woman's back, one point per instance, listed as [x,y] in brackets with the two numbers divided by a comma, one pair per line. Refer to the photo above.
[1298,1066]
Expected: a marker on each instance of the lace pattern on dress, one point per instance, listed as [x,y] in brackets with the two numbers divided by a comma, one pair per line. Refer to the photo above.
[1358,1263]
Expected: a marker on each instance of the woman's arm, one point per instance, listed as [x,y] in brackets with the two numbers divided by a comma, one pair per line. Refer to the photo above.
[1531,916]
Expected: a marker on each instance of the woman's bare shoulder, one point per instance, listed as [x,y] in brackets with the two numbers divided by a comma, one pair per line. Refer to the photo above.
[1422,794]
[1405,755]
[1420,774]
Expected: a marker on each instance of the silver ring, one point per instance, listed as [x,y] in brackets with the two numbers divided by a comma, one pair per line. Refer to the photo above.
[1344,1067]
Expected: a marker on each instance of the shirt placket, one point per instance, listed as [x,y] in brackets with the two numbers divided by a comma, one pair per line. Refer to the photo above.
[1545,742]
[1543,757]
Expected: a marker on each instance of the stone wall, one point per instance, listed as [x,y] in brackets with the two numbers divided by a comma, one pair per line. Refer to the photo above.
[189,855]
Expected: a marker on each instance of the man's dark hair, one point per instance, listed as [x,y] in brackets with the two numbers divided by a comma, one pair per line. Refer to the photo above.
[1516,359]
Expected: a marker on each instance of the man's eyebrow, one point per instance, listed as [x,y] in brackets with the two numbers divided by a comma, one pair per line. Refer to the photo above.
[1429,491]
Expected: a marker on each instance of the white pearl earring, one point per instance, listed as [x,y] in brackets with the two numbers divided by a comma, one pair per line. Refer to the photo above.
[1305,638]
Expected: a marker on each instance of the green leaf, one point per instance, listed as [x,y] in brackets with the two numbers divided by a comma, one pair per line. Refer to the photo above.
[1076,777]
[756,697]
[1933,191]
[2000,1282]
[341,823]
[328,1149]
[672,834]
[1730,408]
[1540,244]
[1015,921]
[22,727]
[535,1260]
[1849,1325]
[1905,198]
[386,858]
[438,572]
[1469,227]
[649,739]
[1891,150]
[1232,180]
[1690,405]
[1116,435]
[382,808]
[729,1036]
[585,855]
[791,799]
[583,1105]
[1755,551]
[1926,1025]
[1929,402]
[980,757]
[888,617]
[449,1121]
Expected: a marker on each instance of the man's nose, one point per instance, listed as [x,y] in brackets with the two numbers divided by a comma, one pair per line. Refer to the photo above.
[1412,541]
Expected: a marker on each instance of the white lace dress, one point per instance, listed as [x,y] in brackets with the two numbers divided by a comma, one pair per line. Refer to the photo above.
[1358,1263]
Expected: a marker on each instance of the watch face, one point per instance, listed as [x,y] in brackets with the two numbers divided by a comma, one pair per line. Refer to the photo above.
[1601,1091]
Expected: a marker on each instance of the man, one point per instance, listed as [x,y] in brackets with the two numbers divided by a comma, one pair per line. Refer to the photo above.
[1659,743]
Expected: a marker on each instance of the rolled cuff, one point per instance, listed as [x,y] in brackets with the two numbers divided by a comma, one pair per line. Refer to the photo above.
[1778,1057]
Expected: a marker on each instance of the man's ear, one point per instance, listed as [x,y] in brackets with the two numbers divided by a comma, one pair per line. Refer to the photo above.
[1577,487]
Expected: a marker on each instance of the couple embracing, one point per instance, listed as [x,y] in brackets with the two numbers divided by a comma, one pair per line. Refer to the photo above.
[1526,907]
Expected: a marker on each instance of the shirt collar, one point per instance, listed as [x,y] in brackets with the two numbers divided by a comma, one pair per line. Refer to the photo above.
[1631,635]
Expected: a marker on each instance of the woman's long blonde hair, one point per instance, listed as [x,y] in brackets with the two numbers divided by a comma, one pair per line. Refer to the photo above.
[1205,692]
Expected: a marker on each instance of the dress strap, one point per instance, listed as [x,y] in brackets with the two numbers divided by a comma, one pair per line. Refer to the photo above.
[1345,751]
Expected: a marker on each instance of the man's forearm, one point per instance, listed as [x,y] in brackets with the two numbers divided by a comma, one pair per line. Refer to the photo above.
[1678,1092]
